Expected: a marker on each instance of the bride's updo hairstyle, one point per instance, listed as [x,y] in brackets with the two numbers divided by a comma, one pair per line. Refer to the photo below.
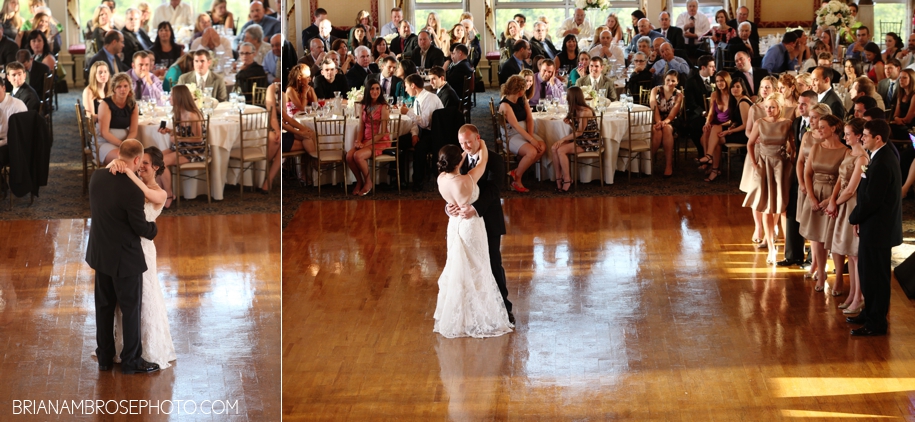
[156,159]
[448,158]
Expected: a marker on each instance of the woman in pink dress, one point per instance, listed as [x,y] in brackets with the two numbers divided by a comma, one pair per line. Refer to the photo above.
[373,112]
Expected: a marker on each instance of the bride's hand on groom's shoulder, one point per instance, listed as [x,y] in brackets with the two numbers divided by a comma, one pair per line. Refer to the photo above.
[117,166]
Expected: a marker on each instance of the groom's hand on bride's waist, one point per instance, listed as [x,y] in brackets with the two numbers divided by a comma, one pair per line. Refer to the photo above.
[468,211]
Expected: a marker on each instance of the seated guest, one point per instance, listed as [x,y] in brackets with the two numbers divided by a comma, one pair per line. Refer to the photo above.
[145,85]
[825,60]
[135,38]
[362,67]
[874,59]
[667,63]
[517,62]
[577,141]
[424,104]
[521,137]
[578,25]
[717,120]
[357,37]
[666,101]
[598,80]
[404,69]
[114,42]
[426,55]
[459,69]
[344,58]
[16,74]
[386,78]
[251,72]
[203,77]
[176,12]
[443,89]
[219,15]
[8,107]
[36,44]
[568,55]
[187,125]
[405,42]
[540,42]
[778,58]
[860,106]
[723,33]
[364,18]
[183,66]
[329,81]
[203,22]
[36,71]
[580,71]
[393,27]
[269,25]
[743,43]
[117,118]
[299,93]
[254,35]
[315,54]
[96,28]
[546,84]
[645,30]
[272,64]
[641,78]
[752,76]
[211,40]
[165,50]
[507,39]
[312,31]
[324,35]
[606,49]
[699,87]
[373,115]
[874,114]
[863,86]
[98,88]
[380,50]
[856,49]
[888,87]
[904,113]
[44,22]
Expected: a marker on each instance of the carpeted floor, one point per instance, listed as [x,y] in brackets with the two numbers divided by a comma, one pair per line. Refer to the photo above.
[64,198]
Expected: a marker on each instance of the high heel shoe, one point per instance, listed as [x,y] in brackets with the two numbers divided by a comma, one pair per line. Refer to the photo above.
[518,188]
[844,306]
[713,175]
[854,310]
[559,183]
[704,160]
[762,245]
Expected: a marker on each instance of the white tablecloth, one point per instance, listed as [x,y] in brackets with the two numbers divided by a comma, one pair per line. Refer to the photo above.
[615,130]
[224,135]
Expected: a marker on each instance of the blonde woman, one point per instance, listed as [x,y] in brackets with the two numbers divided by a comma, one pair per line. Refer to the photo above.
[528,76]
[364,18]
[42,22]
[808,141]
[98,89]
[512,34]
[99,26]
[613,25]
[145,14]
[440,36]
[220,16]
[11,20]
[802,84]
[521,138]
[748,180]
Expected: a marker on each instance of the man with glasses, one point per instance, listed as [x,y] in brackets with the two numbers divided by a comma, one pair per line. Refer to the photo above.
[251,72]
[329,81]
[541,44]
[743,15]
[204,78]
[641,78]
[856,50]
[363,67]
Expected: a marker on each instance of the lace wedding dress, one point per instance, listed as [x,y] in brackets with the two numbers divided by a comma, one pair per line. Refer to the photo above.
[469,303]
[155,336]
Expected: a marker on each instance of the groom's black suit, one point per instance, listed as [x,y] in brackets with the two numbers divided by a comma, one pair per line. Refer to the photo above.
[878,215]
[114,252]
[489,206]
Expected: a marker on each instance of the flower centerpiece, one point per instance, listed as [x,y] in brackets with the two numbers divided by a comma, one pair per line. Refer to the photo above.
[197,93]
[595,6]
[834,15]
[354,96]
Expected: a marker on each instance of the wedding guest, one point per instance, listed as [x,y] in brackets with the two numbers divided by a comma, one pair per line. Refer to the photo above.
[254,35]
[329,81]
[904,113]
[578,25]
[540,44]
[98,26]
[698,88]
[820,80]
[718,115]
[424,104]
[509,37]
[568,54]
[737,134]
[37,45]
[606,49]
[271,63]
[843,200]
[144,83]
[219,15]
[98,89]
[343,56]
[853,69]
[145,15]
[186,125]
[380,50]
[268,11]
[211,40]
[856,49]
[522,140]
[528,76]
[644,30]
[404,69]
[269,25]
[598,80]
[42,22]
[440,37]
[641,78]
[296,136]
[426,55]
[874,60]
[405,42]
[613,25]
[118,118]
[373,112]
[778,58]
[694,24]
[358,38]
[518,62]
[580,71]
[475,52]
[723,33]
[666,101]
[546,84]
[204,77]
[770,141]
[362,67]
[894,47]
[889,86]
[667,63]
[135,38]
[16,74]
[802,83]
[364,18]
[299,93]
[443,89]
[165,49]
[577,141]
[864,87]
[313,31]
[8,107]
[183,66]
[250,73]
[203,22]
[176,12]
[393,27]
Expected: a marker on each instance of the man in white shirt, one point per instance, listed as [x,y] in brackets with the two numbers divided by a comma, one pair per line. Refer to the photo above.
[577,25]
[606,49]
[203,78]
[694,24]
[424,104]
[8,107]
[393,27]
[175,12]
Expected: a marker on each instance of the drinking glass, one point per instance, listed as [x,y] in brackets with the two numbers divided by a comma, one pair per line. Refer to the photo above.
[336,94]
[241,106]
[208,92]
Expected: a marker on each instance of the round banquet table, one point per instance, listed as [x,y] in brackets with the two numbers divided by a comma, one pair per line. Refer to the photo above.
[615,131]
[223,135]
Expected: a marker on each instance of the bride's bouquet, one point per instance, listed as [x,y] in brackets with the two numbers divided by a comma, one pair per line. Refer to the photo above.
[835,13]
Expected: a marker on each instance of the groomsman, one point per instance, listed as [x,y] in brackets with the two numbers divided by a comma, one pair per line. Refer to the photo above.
[878,217]
[794,242]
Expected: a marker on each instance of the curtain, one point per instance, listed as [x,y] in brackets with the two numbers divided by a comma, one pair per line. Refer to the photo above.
[732,9]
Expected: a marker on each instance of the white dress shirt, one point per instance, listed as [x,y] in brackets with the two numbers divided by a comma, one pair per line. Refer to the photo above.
[598,51]
[224,45]
[180,16]
[421,112]
[8,107]
[585,31]
[702,25]
[202,79]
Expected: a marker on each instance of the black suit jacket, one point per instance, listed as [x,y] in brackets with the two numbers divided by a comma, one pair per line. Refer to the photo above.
[878,213]
[449,98]
[835,104]
[736,45]
[539,48]
[355,78]
[29,97]
[132,43]
[8,50]
[289,60]
[406,50]
[308,34]
[118,222]
[102,56]
[394,82]
[510,68]
[696,92]
[489,205]
[36,76]
[758,75]
[434,57]
[675,37]
[796,126]
[457,73]
[754,33]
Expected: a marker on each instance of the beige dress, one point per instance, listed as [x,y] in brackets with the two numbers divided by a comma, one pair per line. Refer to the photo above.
[773,182]
[825,162]
[844,240]
[748,178]
[803,208]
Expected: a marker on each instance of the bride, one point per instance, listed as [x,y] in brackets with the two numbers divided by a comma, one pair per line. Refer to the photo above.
[469,302]
[155,337]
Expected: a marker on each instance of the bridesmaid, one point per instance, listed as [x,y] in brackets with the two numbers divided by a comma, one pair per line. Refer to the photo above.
[820,176]
[844,199]
[811,138]
[748,180]
[772,143]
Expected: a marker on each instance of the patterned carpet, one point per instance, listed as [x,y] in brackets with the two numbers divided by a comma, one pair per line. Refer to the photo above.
[63,197]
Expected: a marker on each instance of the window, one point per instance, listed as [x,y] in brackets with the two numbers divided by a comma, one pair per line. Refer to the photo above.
[239,9]
[449,13]
[556,12]
[889,16]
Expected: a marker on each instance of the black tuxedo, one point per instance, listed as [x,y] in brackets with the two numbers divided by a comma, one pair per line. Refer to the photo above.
[457,73]
[674,37]
[736,45]
[132,43]
[434,57]
[405,48]
[878,215]
[103,56]
[754,33]
[794,242]
[308,34]
[114,252]
[835,104]
[539,48]
[37,74]
[449,98]
[510,68]
[28,95]
[355,78]
[758,75]
[489,207]
[696,93]
[8,50]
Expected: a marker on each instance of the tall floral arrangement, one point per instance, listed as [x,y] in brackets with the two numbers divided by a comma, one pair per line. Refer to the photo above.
[835,14]
[592,4]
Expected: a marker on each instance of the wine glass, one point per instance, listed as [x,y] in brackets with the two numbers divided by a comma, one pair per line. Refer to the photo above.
[241,107]
[336,94]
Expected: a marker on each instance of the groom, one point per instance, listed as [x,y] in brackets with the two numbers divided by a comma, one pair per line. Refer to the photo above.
[488,205]
[114,252]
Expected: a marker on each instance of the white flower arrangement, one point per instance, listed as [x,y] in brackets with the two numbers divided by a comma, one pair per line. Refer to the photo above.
[835,14]
[195,91]
[355,95]
[593,4]
[390,37]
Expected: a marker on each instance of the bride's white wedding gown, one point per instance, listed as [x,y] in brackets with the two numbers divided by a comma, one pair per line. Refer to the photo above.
[469,302]
[155,335]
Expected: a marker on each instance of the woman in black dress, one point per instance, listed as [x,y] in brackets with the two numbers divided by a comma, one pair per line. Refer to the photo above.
[568,54]
[165,49]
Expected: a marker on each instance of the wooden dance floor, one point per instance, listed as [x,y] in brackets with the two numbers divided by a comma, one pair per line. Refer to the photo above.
[220,279]
[628,308]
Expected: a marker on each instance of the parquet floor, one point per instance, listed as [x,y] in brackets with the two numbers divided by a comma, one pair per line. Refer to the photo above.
[628,308]
[220,279]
